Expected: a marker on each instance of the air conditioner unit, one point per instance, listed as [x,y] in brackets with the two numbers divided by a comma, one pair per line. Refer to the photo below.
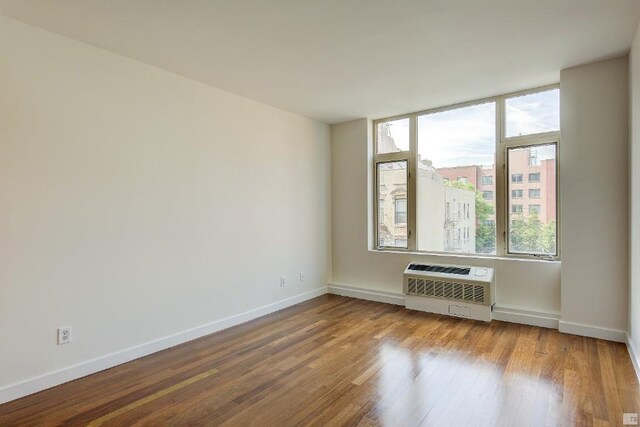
[454,290]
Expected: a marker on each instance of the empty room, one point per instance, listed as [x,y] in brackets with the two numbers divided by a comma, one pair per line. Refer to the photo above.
[305,212]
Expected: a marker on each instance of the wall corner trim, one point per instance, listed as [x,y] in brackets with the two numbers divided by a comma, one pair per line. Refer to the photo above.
[592,331]
[70,373]
[634,354]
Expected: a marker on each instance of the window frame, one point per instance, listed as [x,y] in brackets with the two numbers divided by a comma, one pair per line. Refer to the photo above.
[535,140]
[537,181]
[389,158]
[490,179]
[396,212]
[501,185]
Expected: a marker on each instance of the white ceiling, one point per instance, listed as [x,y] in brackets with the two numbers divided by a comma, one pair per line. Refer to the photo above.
[337,60]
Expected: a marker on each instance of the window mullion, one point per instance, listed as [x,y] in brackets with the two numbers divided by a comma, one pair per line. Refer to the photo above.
[501,192]
[412,183]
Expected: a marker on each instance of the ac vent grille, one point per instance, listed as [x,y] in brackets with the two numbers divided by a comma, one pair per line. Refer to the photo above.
[455,291]
[463,271]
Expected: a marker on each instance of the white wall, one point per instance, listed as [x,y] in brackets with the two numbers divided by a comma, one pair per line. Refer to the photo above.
[594,196]
[634,198]
[138,204]
[530,284]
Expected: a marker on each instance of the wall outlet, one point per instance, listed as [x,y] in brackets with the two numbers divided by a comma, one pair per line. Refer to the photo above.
[301,277]
[64,335]
[282,282]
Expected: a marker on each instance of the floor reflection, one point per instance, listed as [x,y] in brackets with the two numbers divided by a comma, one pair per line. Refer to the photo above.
[445,386]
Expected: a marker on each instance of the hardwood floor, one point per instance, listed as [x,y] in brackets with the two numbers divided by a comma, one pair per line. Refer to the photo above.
[340,361]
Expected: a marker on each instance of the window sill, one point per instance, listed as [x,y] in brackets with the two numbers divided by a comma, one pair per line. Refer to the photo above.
[475,257]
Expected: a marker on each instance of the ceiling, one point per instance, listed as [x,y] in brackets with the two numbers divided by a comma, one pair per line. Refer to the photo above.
[337,60]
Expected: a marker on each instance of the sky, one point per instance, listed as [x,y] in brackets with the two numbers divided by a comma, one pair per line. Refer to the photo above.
[466,136]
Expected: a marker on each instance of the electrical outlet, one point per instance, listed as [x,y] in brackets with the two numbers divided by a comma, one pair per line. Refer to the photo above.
[64,335]
[282,282]
[301,277]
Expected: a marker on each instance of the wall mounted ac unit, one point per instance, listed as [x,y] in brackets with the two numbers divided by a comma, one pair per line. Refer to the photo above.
[454,290]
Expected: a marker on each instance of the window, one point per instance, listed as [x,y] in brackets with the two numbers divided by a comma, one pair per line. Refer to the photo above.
[400,243]
[533,113]
[446,148]
[392,194]
[392,136]
[535,233]
[401,211]
[454,179]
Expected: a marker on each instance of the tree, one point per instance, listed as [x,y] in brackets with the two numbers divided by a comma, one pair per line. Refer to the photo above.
[485,230]
[529,234]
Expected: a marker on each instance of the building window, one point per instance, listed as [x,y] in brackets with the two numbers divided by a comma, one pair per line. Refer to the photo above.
[534,193]
[431,202]
[401,211]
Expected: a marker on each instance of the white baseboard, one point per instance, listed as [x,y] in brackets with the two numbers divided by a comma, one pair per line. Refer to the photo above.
[634,354]
[51,379]
[526,316]
[592,331]
[504,313]
[366,294]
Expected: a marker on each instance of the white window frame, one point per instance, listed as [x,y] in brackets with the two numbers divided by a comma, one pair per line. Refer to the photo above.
[501,195]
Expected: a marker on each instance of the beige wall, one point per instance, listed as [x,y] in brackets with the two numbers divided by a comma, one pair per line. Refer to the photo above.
[529,284]
[594,196]
[634,193]
[138,204]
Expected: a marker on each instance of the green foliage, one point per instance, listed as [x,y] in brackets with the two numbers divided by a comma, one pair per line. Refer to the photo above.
[529,234]
[485,232]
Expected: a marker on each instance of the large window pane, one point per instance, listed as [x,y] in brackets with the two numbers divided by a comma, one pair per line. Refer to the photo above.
[392,204]
[455,188]
[534,113]
[392,136]
[532,230]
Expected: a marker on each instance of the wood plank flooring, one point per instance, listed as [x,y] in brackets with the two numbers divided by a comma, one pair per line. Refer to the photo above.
[341,361]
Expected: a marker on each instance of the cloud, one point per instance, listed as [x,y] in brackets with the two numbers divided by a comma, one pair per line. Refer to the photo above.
[460,137]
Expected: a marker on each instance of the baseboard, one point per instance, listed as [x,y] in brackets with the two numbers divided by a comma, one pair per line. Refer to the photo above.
[634,354]
[526,316]
[592,331]
[51,379]
[366,294]
[504,313]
